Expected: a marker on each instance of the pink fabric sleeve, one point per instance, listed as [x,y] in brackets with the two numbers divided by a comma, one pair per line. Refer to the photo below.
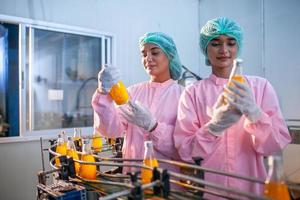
[269,133]
[191,140]
[107,119]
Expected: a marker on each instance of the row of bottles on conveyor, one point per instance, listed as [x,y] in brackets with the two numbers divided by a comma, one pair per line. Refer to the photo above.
[68,148]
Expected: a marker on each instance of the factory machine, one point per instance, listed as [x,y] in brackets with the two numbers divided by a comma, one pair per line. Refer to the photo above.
[62,182]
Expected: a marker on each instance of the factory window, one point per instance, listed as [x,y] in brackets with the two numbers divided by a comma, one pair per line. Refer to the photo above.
[59,77]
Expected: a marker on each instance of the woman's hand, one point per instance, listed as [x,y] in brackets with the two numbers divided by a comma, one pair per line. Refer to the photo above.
[138,114]
[241,97]
[223,116]
[107,77]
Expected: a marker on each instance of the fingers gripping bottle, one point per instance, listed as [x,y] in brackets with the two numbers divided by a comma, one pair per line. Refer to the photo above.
[275,187]
[71,152]
[118,91]
[61,148]
[149,160]
[87,171]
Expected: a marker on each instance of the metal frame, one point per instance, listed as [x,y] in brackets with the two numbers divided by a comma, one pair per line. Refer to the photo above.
[24,25]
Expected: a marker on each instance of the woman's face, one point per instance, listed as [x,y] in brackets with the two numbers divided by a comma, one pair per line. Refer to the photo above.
[156,62]
[222,51]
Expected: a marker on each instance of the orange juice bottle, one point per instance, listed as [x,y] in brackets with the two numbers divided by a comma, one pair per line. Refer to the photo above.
[71,152]
[235,74]
[97,142]
[61,148]
[149,160]
[237,71]
[118,91]
[77,139]
[275,187]
[87,171]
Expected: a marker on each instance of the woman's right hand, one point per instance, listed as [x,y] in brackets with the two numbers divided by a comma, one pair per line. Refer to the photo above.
[108,76]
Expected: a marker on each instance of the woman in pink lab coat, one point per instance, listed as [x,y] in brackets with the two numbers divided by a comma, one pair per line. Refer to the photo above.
[151,115]
[233,136]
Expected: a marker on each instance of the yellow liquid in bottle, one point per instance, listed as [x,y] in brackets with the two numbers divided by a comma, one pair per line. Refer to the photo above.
[276,191]
[62,150]
[111,141]
[238,78]
[119,93]
[72,153]
[79,141]
[146,174]
[97,143]
[88,171]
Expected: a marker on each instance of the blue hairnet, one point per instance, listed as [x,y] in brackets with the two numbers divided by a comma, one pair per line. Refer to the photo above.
[220,26]
[167,45]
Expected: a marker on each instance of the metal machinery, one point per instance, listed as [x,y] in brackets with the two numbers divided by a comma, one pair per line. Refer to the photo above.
[111,184]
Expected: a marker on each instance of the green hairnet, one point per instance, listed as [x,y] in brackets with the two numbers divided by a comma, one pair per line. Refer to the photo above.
[220,26]
[166,43]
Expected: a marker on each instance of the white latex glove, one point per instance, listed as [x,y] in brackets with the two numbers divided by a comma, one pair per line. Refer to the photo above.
[139,115]
[223,116]
[241,97]
[107,77]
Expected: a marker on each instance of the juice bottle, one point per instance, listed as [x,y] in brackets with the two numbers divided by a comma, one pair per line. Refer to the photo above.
[77,139]
[97,142]
[71,151]
[87,171]
[275,187]
[149,160]
[61,148]
[237,72]
[118,91]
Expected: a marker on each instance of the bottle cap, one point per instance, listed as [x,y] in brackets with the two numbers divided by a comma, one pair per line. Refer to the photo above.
[237,61]
[85,141]
[148,144]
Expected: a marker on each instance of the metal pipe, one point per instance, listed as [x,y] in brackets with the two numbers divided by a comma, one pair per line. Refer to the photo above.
[126,192]
[181,164]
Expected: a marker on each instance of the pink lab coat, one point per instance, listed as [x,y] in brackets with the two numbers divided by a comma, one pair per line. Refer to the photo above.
[241,148]
[162,100]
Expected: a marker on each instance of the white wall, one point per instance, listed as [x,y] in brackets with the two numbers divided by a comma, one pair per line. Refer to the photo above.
[271,43]
[19,165]
[269,24]
[127,20]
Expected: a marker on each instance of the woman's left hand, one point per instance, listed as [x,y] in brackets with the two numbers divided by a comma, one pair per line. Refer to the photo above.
[139,115]
[239,95]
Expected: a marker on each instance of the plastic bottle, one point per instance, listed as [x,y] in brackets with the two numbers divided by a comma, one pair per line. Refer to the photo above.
[71,151]
[61,148]
[87,171]
[149,160]
[275,187]
[97,142]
